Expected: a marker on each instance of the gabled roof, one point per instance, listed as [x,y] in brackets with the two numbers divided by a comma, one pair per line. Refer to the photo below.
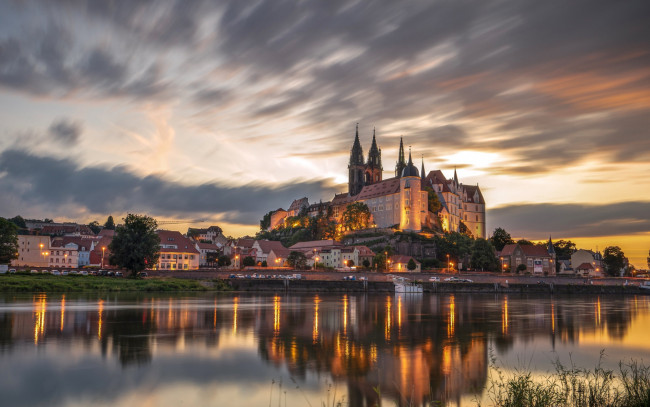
[585,266]
[364,251]
[106,232]
[172,237]
[528,250]
[268,245]
[342,199]
[244,242]
[298,203]
[280,252]
[78,240]
[207,246]
[471,190]
[381,188]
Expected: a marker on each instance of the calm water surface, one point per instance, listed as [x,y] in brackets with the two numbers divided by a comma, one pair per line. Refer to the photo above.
[297,350]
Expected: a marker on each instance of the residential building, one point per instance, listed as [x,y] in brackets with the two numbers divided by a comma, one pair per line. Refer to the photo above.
[264,247]
[33,251]
[581,257]
[204,249]
[537,259]
[64,255]
[177,252]
[399,264]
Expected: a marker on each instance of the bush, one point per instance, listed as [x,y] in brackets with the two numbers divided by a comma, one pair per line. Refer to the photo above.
[520,268]
[265,264]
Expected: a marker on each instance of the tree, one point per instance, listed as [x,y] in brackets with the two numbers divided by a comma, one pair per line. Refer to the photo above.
[454,244]
[94,226]
[135,245]
[265,222]
[524,242]
[500,238]
[248,261]
[110,224]
[8,241]
[483,256]
[411,265]
[521,268]
[564,248]
[366,263]
[350,263]
[463,229]
[223,261]
[264,263]
[356,216]
[19,221]
[211,258]
[297,260]
[614,260]
[433,201]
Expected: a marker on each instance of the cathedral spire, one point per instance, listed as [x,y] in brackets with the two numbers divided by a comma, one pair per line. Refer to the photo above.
[374,155]
[422,173]
[356,154]
[455,177]
[401,163]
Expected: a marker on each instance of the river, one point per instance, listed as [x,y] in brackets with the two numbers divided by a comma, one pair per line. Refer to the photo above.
[228,349]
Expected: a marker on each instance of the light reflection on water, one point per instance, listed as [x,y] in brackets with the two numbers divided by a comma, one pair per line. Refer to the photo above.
[250,350]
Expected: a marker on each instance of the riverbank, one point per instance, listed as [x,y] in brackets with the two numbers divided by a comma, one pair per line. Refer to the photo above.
[277,285]
[78,283]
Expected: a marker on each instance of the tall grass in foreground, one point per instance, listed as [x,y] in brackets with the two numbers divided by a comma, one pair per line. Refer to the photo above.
[572,387]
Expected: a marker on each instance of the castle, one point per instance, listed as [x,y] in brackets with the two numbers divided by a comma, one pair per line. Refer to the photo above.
[400,201]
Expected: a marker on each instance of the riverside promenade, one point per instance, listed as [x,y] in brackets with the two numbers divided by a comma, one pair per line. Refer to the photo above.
[333,281]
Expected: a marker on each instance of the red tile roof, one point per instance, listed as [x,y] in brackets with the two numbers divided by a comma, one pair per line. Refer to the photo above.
[315,244]
[268,245]
[528,250]
[364,251]
[208,246]
[172,237]
[399,258]
[244,242]
[585,266]
[381,188]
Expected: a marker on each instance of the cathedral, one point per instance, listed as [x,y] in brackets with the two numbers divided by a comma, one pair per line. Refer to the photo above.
[401,201]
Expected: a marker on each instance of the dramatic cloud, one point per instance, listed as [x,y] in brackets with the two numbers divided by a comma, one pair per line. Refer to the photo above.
[35,180]
[538,221]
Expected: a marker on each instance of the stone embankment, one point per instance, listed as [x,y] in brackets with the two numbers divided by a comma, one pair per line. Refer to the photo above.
[442,287]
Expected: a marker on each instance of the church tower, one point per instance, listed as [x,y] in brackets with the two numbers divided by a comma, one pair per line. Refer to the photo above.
[401,162]
[356,167]
[373,166]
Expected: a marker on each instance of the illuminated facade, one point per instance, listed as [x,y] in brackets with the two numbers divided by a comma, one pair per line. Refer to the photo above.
[402,201]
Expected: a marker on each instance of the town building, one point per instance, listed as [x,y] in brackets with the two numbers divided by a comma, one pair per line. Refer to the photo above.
[264,247]
[537,259]
[581,258]
[64,255]
[205,249]
[329,253]
[399,202]
[33,251]
[399,264]
[177,252]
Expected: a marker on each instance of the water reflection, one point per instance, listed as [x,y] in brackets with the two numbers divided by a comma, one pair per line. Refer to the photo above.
[413,348]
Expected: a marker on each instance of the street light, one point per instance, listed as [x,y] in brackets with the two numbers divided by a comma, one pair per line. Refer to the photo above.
[448,263]
[65,259]
[103,250]
[502,265]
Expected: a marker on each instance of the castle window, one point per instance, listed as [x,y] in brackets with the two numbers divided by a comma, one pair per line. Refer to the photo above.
[477,218]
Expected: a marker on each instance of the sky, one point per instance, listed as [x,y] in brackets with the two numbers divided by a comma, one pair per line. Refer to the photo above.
[217,112]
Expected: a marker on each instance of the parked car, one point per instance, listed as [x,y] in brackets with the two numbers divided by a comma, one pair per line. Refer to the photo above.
[119,274]
[12,271]
[64,273]
[466,280]
[144,274]
[434,279]
[56,273]
[452,279]
[83,272]
[34,271]
[74,272]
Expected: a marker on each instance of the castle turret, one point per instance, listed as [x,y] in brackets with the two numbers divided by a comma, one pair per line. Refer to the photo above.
[411,198]
[401,163]
[373,166]
[356,167]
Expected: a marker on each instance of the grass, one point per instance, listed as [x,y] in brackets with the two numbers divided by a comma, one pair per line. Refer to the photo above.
[21,282]
[572,387]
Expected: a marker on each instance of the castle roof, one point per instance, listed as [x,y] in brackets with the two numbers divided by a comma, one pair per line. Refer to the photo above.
[381,188]
[474,190]
[410,170]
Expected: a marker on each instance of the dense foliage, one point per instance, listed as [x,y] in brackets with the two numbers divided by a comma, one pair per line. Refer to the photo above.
[136,245]
[483,256]
[297,260]
[614,260]
[8,241]
[110,223]
[356,216]
[500,238]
